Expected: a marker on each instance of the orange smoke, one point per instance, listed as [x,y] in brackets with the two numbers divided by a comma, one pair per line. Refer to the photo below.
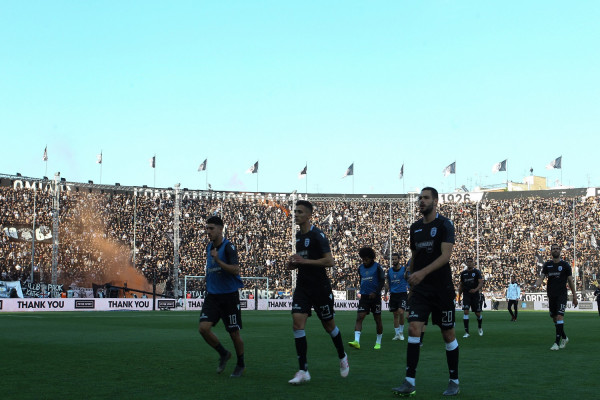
[116,267]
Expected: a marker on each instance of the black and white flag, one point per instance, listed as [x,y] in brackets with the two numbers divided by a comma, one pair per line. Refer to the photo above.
[302,173]
[450,169]
[202,166]
[349,171]
[253,169]
[501,166]
[555,164]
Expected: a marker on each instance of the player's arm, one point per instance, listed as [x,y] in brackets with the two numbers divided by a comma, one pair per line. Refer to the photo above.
[381,284]
[479,285]
[231,255]
[572,287]
[325,261]
[409,265]
[387,284]
[539,281]
[416,277]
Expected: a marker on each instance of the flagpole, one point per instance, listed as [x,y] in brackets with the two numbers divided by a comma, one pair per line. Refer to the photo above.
[506,169]
[306,183]
[352,177]
[454,177]
[154,168]
[561,181]
[101,161]
[257,177]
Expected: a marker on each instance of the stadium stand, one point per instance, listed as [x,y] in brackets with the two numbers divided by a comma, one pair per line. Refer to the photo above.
[97,232]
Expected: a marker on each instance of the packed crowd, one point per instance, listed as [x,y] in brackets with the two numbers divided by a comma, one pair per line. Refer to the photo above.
[108,237]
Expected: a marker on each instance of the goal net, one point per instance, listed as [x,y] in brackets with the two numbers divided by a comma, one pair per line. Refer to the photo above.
[255,288]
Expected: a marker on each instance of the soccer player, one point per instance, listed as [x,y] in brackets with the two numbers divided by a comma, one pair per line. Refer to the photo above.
[431,289]
[222,298]
[398,287]
[313,289]
[471,283]
[372,279]
[558,272]
[513,295]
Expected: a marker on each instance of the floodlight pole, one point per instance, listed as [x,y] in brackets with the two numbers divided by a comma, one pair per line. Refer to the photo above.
[55,229]
[176,215]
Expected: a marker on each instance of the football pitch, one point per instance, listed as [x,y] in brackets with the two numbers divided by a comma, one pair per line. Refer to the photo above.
[160,355]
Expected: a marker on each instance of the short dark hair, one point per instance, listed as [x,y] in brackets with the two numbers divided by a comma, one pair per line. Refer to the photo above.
[215,220]
[396,254]
[306,204]
[434,192]
[367,252]
[469,258]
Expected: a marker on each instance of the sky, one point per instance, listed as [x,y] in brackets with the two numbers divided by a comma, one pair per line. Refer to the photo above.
[322,84]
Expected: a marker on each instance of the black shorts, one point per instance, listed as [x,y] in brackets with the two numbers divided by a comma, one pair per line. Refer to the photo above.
[397,300]
[440,304]
[368,305]
[472,301]
[557,304]
[319,297]
[223,306]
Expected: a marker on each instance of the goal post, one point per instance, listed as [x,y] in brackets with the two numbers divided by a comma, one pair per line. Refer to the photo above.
[256,287]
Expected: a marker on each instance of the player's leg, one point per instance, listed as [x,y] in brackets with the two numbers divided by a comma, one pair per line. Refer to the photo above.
[396,314]
[378,326]
[360,317]
[419,306]
[233,324]
[560,321]
[553,307]
[336,336]
[401,315]
[394,308]
[208,318]
[466,308]
[301,310]
[298,325]
[408,386]
[238,343]
[205,329]
[325,312]
[445,319]
[510,306]
[361,312]
[479,319]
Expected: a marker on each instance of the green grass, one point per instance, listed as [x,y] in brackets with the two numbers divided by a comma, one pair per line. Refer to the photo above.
[160,355]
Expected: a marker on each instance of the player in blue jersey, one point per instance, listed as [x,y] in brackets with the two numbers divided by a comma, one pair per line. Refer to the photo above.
[313,290]
[372,280]
[222,299]
[398,289]
[431,289]
[559,274]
